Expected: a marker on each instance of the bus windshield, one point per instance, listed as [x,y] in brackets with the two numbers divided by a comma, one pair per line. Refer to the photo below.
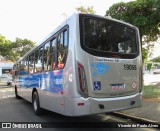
[101,37]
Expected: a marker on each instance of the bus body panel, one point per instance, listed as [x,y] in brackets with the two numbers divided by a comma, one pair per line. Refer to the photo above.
[115,104]
[92,105]
[69,76]
[52,101]
[22,88]
[109,78]
[49,87]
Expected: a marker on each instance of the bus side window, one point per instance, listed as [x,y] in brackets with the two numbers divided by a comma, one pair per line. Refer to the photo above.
[46,56]
[38,60]
[52,62]
[16,70]
[22,67]
[65,35]
[62,51]
[62,55]
[60,41]
[31,63]
[26,65]
[19,69]
[16,73]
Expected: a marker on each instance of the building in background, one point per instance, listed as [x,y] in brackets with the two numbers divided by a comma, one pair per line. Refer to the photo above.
[5,66]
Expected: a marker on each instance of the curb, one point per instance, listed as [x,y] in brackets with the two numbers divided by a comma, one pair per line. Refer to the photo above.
[5,86]
[152,99]
[135,118]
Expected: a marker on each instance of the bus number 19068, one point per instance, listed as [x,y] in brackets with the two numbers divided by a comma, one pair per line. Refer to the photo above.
[130,67]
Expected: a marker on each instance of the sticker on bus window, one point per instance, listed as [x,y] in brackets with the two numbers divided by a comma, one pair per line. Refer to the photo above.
[97,85]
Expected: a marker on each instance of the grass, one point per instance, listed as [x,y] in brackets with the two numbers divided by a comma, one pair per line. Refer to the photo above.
[151,91]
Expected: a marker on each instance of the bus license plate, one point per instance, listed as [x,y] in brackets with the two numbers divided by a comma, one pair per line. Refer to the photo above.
[115,87]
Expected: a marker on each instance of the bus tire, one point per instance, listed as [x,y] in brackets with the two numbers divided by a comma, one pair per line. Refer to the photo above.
[16,93]
[35,103]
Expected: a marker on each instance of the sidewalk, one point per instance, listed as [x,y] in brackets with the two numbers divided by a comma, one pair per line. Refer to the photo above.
[150,110]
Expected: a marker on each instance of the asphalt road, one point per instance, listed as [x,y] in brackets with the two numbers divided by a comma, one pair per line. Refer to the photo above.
[19,110]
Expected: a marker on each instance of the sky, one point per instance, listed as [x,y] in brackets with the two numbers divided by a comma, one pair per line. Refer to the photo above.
[35,19]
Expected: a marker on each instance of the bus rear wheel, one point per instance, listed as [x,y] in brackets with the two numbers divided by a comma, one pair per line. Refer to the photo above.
[35,103]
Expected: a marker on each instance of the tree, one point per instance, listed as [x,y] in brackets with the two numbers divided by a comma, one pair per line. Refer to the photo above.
[144,55]
[5,47]
[145,14]
[14,50]
[142,13]
[21,47]
[89,10]
[149,66]
[157,59]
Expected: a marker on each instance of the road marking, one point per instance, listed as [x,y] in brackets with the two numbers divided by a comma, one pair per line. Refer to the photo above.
[7,96]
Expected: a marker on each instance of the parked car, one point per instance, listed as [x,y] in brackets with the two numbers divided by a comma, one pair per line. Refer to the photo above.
[9,82]
[157,71]
[6,79]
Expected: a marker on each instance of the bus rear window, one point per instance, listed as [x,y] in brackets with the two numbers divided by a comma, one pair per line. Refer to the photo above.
[106,36]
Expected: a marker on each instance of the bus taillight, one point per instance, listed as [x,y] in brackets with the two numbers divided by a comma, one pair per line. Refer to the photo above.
[82,79]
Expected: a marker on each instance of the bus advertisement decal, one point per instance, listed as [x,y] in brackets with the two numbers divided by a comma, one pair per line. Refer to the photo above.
[99,68]
[53,82]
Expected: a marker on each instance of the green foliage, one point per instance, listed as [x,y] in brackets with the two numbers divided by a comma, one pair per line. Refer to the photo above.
[157,66]
[144,55]
[151,91]
[14,50]
[142,13]
[21,47]
[5,47]
[89,10]
[145,14]
[157,59]
[149,66]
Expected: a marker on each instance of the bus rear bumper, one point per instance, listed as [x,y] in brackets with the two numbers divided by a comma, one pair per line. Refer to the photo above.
[114,104]
[91,105]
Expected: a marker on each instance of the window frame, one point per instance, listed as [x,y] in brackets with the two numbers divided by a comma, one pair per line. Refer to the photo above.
[63,48]
[101,53]
[41,52]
